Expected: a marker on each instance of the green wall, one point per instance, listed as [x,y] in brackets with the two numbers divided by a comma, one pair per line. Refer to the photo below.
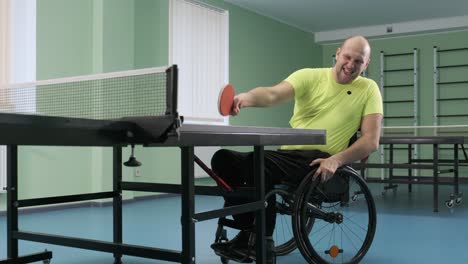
[118,35]
[64,43]
[151,33]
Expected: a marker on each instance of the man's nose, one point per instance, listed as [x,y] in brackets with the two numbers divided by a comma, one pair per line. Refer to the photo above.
[351,65]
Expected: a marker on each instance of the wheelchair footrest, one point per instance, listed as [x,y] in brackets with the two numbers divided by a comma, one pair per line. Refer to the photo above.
[234,256]
[232,224]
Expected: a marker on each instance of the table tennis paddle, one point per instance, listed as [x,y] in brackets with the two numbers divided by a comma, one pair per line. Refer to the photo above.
[226,99]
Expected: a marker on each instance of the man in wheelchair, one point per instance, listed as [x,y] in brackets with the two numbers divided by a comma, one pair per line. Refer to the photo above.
[337,99]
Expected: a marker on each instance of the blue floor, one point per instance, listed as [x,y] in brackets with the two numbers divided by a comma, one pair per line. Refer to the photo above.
[407,232]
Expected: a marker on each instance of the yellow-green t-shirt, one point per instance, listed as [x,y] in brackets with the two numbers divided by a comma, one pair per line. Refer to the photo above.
[322,103]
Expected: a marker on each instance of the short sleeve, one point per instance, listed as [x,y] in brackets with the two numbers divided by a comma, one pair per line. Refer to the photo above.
[374,103]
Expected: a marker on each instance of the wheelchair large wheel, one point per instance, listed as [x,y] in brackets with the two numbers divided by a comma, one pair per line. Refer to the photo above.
[343,226]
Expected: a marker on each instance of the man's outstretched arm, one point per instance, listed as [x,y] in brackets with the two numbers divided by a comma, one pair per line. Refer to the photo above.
[263,97]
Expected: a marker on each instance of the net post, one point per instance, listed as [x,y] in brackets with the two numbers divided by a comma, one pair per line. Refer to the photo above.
[171,90]
[171,96]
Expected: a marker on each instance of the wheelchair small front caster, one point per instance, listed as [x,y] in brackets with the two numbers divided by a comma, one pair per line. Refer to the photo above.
[458,200]
[449,203]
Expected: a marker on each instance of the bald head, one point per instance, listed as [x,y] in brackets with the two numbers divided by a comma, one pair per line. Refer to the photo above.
[357,43]
[352,58]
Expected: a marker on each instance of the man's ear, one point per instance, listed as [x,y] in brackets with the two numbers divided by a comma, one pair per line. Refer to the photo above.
[367,64]
[338,50]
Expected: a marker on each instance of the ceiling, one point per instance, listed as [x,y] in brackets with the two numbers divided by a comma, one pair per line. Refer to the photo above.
[327,15]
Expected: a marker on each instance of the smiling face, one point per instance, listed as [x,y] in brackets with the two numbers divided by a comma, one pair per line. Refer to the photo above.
[352,58]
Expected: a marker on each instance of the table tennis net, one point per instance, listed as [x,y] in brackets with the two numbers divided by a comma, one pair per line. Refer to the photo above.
[98,96]
[442,130]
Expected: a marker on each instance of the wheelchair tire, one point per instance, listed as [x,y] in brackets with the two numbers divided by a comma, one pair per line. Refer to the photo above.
[335,231]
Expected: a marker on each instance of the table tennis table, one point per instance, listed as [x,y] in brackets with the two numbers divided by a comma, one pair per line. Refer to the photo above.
[160,131]
[451,138]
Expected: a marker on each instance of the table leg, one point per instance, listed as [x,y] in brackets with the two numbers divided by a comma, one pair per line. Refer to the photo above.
[455,170]
[188,205]
[12,198]
[259,172]
[410,170]
[117,200]
[435,171]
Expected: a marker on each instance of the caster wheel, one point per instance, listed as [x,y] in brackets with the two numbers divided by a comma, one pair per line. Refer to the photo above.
[458,200]
[449,203]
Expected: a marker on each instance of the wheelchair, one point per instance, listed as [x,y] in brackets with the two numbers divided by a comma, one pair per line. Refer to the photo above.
[332,222]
